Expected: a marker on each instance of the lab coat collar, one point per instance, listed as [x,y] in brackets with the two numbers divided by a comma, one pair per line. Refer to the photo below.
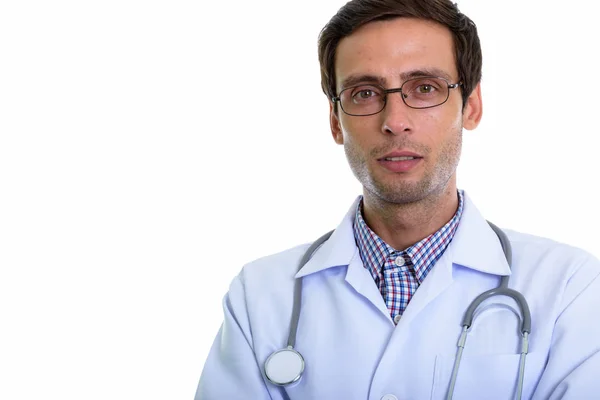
[475,245]
[338,250]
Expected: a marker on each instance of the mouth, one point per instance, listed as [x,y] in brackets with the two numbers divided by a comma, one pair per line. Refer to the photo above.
[400,161]
[402,158]
[400,155]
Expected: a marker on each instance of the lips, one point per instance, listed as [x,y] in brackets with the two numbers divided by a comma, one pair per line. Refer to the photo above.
[400,161]
[400,156]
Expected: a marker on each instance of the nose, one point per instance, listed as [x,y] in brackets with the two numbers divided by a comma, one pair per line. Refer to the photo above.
[397,116]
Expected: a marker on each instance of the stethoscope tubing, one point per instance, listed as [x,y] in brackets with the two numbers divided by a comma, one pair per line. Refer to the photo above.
[467,321]
[298,289]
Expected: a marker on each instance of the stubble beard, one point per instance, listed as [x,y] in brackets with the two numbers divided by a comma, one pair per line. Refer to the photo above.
[433,182]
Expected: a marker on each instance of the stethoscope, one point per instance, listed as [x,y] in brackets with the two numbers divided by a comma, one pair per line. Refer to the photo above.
[286,366]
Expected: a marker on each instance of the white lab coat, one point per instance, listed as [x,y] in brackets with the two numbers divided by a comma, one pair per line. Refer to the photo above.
[353,350]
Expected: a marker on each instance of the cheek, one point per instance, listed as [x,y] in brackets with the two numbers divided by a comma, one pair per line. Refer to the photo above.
[358,131]
[430,129]
[439,128]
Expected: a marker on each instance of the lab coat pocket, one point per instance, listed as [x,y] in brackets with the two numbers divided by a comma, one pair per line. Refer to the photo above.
[479,377]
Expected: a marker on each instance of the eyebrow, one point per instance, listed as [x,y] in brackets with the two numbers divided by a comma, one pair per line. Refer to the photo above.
[353,80]
[417,73]
[357,79]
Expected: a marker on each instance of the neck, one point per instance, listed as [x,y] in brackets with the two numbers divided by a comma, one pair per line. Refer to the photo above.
[402,225]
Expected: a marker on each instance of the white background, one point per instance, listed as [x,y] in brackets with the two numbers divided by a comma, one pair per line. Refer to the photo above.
[148,149]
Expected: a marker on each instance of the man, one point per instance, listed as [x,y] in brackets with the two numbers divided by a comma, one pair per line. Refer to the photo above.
[383,299]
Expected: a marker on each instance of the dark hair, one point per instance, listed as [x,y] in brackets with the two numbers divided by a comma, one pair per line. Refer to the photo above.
[357,13]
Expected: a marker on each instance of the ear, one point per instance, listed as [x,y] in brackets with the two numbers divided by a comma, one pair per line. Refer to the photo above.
[334,122]
[473,109]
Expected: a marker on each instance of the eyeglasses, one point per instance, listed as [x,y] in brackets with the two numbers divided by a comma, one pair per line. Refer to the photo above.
[370,99]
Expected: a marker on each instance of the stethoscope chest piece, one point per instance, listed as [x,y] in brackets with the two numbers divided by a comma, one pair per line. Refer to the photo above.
[284,367]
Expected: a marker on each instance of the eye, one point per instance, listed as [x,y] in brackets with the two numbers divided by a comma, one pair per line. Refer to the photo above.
[363,94]
[425,88]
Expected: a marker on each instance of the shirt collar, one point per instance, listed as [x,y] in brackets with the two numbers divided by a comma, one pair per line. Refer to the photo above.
[374,251]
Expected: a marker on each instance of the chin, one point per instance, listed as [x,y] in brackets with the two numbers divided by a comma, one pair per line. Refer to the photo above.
[403,191]
[400,194]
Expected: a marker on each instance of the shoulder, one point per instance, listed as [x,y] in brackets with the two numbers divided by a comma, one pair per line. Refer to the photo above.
[273,276]
[542,246]
[271,273]
[552,256]
[285,263]
[262,293]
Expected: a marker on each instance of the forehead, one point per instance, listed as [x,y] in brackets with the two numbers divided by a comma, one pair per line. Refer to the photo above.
[394,48]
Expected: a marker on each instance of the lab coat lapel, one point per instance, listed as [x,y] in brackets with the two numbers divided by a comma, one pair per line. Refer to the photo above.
[474,246]
[361,280]
[436,282]
[341,250]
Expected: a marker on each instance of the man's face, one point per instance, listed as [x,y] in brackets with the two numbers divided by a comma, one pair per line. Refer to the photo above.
[393,51]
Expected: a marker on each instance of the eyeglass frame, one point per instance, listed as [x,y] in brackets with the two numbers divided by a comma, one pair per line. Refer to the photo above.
[395,90]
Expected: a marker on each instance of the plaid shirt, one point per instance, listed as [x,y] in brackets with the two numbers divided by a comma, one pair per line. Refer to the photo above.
[398,274]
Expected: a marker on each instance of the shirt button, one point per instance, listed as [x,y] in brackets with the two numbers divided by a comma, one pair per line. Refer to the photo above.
[397,318]
[399,261]
[389,397]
